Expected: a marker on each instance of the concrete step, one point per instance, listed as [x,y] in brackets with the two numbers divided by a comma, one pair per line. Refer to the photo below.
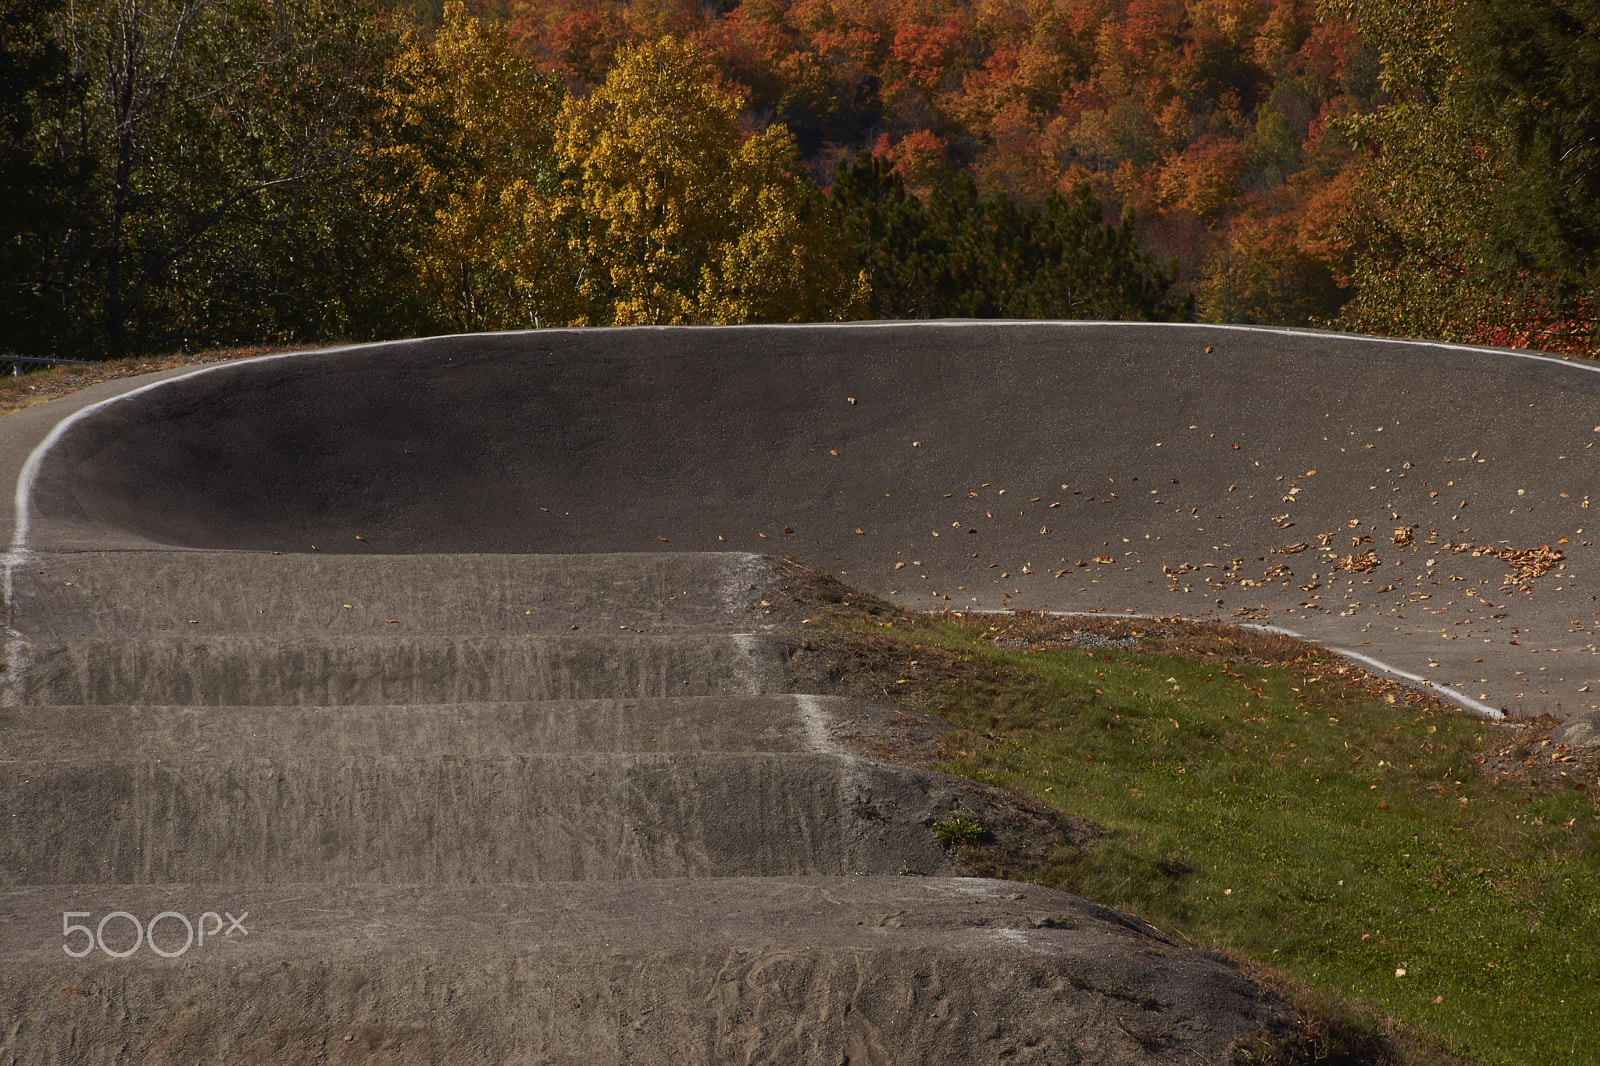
[405,669]
[101,594]
[574,817]
[775,723]
[771,970]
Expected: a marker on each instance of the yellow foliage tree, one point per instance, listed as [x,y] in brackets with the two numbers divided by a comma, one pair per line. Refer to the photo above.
[677,218]
[474,146]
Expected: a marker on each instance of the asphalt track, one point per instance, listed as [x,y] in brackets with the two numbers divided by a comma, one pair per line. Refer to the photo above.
[465,666]
[986,461]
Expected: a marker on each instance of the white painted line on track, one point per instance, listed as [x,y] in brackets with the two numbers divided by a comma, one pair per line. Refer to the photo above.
[817,724]
[1455,696]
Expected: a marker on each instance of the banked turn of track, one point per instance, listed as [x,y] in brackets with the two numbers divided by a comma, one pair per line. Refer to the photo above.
[447,662]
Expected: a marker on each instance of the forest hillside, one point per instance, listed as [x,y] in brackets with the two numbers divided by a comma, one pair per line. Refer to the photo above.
[181,173]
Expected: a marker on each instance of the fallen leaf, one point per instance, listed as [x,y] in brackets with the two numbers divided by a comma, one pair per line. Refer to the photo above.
[1359,564]
[862,531]
[664,538]
[833,451]
[1529,564]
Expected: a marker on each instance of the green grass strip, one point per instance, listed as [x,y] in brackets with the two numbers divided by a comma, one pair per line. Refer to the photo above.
[1350,842]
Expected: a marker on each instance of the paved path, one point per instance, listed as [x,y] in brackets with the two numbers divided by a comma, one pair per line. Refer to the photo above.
[1026,448]
[432,703]
[449,662]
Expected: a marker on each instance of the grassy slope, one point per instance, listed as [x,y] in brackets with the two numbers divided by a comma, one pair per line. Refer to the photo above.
[1301,814]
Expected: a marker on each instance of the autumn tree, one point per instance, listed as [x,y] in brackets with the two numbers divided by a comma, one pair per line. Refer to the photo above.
[473,149]
[679,218]
[1477,220]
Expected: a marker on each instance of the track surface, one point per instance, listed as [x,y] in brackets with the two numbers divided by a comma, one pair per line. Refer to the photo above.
[463,665]
[959,440]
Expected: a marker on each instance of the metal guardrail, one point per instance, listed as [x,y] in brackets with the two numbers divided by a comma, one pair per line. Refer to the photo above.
[19,361]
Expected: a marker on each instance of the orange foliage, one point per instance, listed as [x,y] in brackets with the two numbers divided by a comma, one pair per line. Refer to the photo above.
[1162,105]
[1204,178]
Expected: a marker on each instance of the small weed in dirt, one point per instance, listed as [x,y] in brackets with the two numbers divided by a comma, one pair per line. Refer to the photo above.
[958,830]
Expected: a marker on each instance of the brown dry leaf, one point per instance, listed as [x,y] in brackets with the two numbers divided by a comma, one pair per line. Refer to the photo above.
[1530,563]
[833,451]
[899,566]
[863,532]
[1359,564]
[1403,535]
[1104,559]
[664,538]
[1063,570]
[1292,549]
[1044,530]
